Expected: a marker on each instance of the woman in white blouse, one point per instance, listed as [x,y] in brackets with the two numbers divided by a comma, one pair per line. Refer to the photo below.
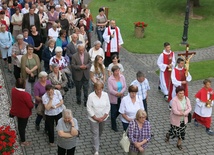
[129,106]
[52,101]
[98,107]
[96,50]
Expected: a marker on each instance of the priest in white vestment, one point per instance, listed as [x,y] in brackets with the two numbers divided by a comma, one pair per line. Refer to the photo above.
[112,41]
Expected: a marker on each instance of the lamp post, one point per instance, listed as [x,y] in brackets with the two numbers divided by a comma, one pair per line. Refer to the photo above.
[186,24]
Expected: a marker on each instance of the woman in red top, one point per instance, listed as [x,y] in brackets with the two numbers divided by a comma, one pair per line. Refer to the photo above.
[21,107]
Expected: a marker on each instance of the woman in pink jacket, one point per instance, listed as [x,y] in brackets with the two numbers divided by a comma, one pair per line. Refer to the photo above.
[116,89]
[181,107]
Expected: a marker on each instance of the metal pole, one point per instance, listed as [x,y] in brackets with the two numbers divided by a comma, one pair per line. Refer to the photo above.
[186,24]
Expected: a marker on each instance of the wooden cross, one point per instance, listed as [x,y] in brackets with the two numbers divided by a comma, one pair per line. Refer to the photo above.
[186,58]
[187,53]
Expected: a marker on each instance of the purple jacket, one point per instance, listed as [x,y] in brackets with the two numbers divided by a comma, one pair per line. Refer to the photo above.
[175,115]
[112,88]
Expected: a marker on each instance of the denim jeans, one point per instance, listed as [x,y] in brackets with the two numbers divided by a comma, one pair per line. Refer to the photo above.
[100,36]
[145,107]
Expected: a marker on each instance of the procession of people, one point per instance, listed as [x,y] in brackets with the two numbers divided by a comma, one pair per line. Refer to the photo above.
[49,45]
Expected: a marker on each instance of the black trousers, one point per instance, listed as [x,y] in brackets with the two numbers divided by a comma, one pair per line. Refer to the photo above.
[16,71]
[22,123]
[115,113]
[62,151]
[79,84]
[50,125]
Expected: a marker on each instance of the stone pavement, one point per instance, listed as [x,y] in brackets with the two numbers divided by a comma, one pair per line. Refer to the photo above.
[197,141]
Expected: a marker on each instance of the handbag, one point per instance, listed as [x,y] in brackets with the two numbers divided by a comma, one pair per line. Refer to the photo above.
[189,118]
[31,79]
[40,109]
[124,142]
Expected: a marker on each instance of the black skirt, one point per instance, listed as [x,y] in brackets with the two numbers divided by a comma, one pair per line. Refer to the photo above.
[178,131]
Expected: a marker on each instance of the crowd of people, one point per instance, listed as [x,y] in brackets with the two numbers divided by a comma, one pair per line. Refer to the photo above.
[49,45]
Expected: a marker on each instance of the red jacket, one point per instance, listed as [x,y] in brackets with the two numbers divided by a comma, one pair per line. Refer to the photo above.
[21,103]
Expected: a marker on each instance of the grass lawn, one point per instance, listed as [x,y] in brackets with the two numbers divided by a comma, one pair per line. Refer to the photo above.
[200,70]
[165,20]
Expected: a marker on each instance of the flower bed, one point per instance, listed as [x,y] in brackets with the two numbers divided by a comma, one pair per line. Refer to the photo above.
[8,134]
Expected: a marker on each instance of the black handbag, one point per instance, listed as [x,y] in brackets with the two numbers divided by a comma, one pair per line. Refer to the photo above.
[189,118]
[66,89]
[31,79]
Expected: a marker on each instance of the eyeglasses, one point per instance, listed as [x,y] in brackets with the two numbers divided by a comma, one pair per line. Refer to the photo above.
[142,117]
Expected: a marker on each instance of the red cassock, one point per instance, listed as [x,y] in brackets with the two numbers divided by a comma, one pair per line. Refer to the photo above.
[180,76]
[167,59]
[202,96]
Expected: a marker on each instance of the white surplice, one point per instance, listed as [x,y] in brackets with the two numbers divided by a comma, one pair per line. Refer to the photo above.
[162,67]
[114,45]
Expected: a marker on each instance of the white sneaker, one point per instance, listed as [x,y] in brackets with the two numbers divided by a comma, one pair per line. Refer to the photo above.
[96,153]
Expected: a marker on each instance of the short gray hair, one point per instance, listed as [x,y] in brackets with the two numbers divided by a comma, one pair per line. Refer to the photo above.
[20,36]
[67,113]
[42,74]
[54,65]
[51,41]
[80,45]
[58,49]
[97,42]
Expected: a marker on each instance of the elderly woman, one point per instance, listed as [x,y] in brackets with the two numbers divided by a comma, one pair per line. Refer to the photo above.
[58,79]
[6,41]
[67,129]
[139,133]
[129,106]
[116,89]
[53,33]
[37,40]
[39,91]
[62,40]
[30,67]
[21,108]
[98,107]
[16,21]
[97,71]
[52,100]
[96,50]
[181,107]
[59,59]
[28,39]
[18,50]
[48,53]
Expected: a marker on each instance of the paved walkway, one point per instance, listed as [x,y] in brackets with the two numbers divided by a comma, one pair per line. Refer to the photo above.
[197,141]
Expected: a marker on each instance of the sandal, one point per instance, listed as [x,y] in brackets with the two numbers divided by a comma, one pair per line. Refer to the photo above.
[25,143]
[167,138]
[179,147]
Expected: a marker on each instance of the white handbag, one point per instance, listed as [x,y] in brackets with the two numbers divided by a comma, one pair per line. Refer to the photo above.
[124,142]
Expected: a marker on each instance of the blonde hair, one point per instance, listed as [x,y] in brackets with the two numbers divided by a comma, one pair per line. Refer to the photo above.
[140,113]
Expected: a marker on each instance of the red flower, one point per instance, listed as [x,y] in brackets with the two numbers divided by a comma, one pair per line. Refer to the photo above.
[2,137]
